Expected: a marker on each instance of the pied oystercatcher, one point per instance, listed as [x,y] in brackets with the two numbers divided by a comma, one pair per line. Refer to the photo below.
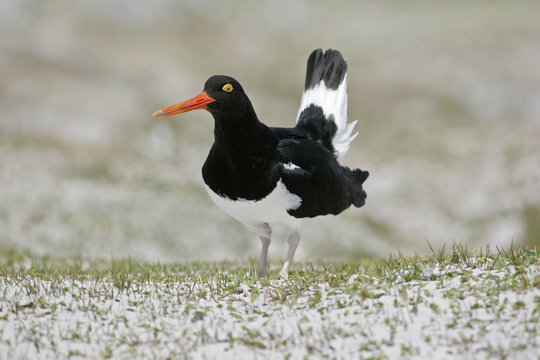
[265,176]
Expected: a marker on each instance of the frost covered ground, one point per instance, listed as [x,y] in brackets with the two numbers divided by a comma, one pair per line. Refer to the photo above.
[438,307]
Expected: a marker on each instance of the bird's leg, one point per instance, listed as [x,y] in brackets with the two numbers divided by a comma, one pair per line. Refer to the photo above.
[264,253]
[265,240]
[293,240]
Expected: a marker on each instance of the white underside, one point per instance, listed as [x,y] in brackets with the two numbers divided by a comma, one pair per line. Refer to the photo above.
[271,210]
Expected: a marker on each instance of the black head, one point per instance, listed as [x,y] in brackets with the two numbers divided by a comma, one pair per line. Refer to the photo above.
[221,95]
[225,90]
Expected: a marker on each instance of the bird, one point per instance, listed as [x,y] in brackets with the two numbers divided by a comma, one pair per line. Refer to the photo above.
[266,176]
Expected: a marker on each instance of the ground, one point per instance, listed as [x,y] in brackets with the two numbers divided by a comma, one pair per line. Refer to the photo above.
[460,306]
[446,95]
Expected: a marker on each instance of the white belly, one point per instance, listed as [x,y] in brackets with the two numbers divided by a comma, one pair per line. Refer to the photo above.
[272,209]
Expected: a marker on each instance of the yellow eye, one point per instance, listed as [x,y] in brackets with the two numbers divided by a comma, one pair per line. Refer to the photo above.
[227,88]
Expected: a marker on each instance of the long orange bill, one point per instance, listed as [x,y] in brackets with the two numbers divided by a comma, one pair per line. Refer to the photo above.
[198,102]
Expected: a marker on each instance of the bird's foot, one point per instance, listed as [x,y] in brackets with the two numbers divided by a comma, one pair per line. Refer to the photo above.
[261,273]
[284,273]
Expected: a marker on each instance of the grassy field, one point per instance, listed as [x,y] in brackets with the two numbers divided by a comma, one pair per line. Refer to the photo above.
[465,305]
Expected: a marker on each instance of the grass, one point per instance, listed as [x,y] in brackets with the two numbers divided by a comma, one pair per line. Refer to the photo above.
[461,304]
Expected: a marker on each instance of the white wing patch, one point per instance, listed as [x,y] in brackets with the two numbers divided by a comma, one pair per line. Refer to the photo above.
[332,102]
[290,166]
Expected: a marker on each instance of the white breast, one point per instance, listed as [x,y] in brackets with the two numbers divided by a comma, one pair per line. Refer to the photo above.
[272,209]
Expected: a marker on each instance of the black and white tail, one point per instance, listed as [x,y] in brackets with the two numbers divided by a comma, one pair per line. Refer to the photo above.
[323,108]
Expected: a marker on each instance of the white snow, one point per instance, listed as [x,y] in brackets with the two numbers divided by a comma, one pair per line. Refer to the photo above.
[456,313]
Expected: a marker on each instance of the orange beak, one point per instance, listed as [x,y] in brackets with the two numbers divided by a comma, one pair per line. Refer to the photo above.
[198,102]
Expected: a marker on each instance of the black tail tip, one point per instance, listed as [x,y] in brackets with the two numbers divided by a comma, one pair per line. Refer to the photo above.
[329,66]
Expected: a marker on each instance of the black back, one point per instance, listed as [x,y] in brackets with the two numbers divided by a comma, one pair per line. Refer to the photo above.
[319,128]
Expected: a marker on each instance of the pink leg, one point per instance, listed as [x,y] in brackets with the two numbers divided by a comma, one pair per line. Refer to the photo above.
[265,240]
[264,254]
[294,240]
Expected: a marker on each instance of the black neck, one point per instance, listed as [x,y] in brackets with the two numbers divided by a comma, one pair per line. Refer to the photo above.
[242,162]
[237,132]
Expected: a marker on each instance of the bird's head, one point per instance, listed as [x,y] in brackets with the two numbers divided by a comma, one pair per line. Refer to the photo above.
[221,94]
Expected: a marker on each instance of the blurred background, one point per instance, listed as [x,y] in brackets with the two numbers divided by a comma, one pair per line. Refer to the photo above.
[447,95]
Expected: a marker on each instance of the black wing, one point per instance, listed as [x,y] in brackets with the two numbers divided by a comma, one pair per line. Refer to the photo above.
[312,172]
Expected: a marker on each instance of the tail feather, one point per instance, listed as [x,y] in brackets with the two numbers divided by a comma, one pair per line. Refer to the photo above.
[329,67]
[326,88]
[357,178]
